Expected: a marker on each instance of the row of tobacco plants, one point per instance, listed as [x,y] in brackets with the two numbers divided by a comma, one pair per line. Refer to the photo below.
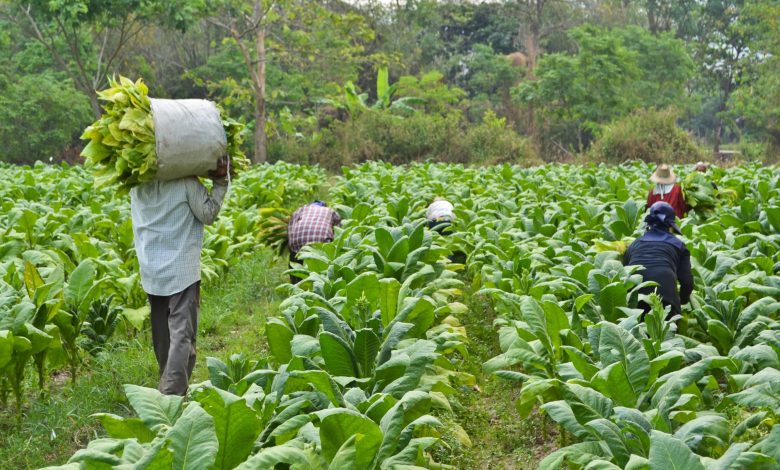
[68,271]
[363,358]
[545,245]
[365,354]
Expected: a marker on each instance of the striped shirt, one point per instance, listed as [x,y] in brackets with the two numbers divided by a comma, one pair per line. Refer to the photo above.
[168,219]
[311,224]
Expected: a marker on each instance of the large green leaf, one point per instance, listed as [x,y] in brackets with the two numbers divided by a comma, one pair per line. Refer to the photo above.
[155,409]
[318,380]
[158,457]
[669,453]
[268,459]
[580,454]
[79,288]
[614,382]
[617,345]
[337,426]
[125,428]
[366,350]
[235,423]
[193,439]
[411,406]
[610,433]
[339,359]
[279,340]
[388,299]
[701,431]
[6,347]
[560,412]
[422,354]
[534,316]
[137,316]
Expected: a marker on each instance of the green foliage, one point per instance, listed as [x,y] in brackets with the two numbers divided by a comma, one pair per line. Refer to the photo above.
[376,135]
[436,95]
[647,135]
[613,73]
[40,115]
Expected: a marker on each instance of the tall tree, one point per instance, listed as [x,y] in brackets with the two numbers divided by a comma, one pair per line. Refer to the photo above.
[613,72]
[541,18]
[85,37]
[720,47]
[756,102]
[301,30]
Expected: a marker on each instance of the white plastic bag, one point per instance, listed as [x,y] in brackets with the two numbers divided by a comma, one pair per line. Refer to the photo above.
[189,137]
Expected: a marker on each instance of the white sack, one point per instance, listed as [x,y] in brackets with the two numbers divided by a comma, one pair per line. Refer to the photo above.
[189,137]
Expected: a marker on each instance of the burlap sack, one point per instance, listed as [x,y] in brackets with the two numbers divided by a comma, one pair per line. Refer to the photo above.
[189,137]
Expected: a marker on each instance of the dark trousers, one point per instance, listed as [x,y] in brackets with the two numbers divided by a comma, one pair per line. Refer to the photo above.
[439,226]
[294,259]
[174,328]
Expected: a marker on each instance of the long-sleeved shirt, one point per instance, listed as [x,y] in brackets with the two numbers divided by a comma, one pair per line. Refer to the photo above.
[665,260]
[311,224]
[168,220]
[670,193]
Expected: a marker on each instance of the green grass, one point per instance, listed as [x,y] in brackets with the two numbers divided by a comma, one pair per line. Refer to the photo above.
[500,438]
[232,319]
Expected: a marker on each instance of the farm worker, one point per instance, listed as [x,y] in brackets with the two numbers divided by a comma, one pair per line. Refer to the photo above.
[663,257]
[168,219]
[702,167]
[666,189]
[439,214]
[312,223]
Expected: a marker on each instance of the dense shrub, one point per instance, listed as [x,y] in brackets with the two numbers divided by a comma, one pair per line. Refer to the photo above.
[490,142]
[378,135]
[648,135]
[40,117]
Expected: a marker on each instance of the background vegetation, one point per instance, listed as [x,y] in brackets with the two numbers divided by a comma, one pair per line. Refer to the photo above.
[336,82]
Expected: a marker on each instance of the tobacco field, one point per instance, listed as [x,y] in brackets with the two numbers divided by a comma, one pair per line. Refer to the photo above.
[365,363]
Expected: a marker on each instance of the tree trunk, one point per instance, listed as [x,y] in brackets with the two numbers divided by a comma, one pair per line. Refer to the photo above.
[725,86]
[93,100]
[532,38]
[261,140]
[716,143]
[652,21]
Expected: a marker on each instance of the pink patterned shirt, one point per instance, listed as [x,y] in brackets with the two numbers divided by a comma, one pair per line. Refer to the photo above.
[310,224]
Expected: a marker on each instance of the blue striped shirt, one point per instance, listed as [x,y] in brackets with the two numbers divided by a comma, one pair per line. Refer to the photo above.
[168,220]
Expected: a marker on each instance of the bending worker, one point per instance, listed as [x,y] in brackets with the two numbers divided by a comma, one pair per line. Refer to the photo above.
[664,259]
[312,223]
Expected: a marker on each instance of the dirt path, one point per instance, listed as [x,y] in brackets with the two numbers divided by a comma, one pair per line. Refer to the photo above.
[501,439]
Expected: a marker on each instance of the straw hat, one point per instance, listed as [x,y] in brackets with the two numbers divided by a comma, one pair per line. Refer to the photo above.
[663,175]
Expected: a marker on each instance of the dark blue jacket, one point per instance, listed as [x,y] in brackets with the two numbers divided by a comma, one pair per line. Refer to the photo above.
[665,260]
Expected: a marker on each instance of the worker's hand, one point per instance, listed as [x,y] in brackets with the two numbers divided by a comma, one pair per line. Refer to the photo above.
[221,171]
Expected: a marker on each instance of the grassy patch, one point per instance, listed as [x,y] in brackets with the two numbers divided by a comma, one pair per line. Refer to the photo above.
[232,319]
[500,437]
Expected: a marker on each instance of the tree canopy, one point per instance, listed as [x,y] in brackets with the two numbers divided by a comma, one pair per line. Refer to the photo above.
[554,72]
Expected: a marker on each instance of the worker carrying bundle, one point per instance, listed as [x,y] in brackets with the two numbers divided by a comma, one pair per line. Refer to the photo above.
[140,139]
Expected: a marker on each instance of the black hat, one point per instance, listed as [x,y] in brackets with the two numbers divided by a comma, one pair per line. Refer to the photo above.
[662,215]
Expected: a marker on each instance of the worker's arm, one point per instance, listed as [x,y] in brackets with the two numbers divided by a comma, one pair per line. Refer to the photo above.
[685,276]
[206,206]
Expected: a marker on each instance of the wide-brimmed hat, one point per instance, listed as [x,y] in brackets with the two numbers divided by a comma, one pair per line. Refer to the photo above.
[663,175]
